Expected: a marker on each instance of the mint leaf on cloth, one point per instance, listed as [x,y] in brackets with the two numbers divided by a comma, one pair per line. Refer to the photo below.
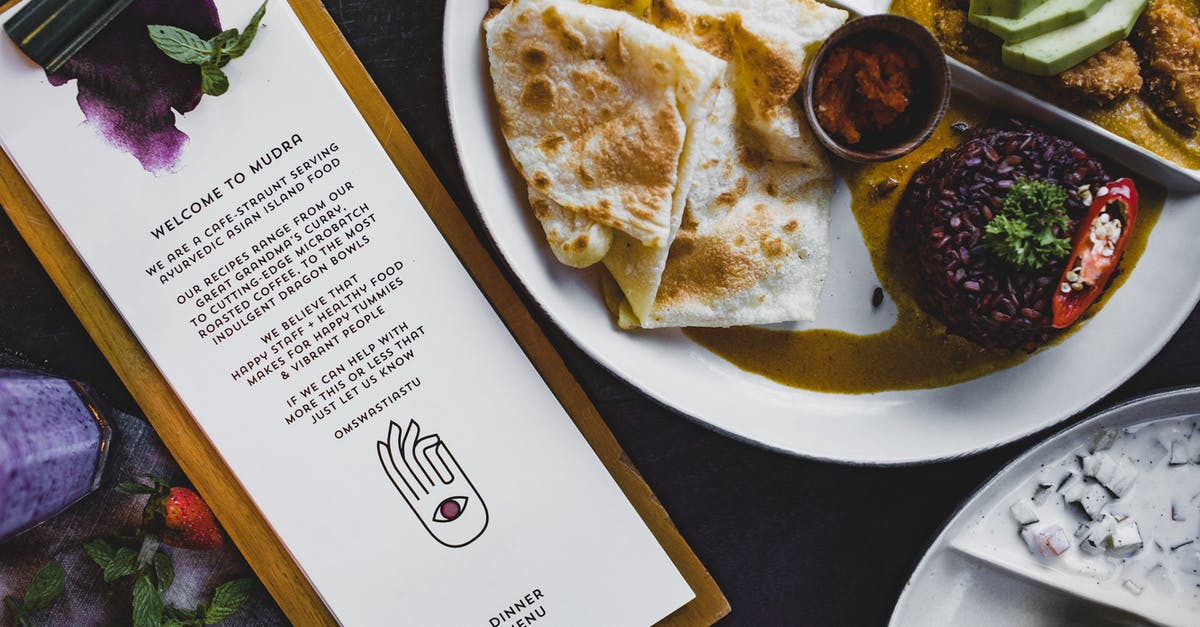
[135,487]
[164,571]
[123,564]
[227,600]
[86,599]
[16,609]
[44,588]
[147,605]
[100,551]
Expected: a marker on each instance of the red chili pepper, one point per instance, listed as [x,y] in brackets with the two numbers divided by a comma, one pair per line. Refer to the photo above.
[1100,239]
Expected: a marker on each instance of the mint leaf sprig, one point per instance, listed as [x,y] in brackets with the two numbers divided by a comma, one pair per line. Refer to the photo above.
[1032,229]
[226,600]
[151,580]
[210,54]
[139,556]
[44,588]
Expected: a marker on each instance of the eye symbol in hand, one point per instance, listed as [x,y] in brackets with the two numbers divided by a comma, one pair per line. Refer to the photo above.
[450,509]
[424,471]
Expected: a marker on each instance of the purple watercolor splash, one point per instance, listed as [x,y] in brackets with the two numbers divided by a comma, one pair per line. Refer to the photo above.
[128,87]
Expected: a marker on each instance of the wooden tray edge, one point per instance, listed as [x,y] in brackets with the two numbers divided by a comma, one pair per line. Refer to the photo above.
[195,453]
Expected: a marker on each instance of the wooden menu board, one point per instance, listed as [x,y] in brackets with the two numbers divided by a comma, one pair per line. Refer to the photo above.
[196,454]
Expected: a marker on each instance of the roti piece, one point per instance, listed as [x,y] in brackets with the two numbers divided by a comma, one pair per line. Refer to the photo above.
[638,268]
[618,306]
[753,244]
[637,8]
[596,106]
[765,42]
[576,241]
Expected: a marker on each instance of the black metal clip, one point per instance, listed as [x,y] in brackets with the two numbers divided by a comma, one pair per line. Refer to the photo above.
[50,31]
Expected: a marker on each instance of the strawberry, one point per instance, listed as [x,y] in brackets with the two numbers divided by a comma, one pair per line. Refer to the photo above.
[179,515]
[189,522]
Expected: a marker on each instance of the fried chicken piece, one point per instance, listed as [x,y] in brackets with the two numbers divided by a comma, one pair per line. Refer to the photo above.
[958,35]
[1108,76]
[1169,44]
[949,26]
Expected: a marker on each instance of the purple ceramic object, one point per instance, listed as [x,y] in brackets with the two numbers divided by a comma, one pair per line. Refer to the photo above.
[53,443]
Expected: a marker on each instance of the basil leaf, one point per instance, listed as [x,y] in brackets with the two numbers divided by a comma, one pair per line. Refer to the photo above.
[227,600]
[147,605]
[212,80]
[44,588]
[247,37]
[179,44]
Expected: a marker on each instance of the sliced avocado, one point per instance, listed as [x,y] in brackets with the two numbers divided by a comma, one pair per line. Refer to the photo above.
[1011,9]
[1063,48]
[1052,15]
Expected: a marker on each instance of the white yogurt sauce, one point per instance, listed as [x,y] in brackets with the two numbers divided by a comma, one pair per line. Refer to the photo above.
[1159,505]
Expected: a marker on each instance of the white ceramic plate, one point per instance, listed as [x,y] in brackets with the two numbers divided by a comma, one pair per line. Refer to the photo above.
[886,428]
[960,582]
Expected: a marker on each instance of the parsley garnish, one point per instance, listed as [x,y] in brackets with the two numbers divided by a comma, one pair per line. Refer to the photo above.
[1031,230]
[210,54]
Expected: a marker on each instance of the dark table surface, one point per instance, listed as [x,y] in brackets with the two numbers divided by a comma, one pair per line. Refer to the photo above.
[790,541]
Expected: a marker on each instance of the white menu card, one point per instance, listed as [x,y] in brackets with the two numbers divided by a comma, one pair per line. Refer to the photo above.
[293,291]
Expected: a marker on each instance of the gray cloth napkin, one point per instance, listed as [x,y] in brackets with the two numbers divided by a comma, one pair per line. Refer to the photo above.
[87,600]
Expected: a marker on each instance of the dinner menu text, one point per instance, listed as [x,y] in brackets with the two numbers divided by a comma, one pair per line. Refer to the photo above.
[293,291]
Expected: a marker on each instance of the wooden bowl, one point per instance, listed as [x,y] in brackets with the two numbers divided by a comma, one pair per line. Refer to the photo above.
[931,90]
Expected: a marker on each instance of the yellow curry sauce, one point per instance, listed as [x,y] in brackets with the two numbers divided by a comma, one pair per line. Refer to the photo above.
[1131,118]
[916,352]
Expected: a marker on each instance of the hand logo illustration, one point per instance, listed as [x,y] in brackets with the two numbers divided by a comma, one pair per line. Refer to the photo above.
[433,485]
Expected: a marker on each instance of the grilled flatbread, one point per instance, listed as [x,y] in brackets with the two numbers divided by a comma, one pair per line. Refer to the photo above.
[575,240]
[745,238]
[753,245]
[596,106]
[637,268]
[765,43]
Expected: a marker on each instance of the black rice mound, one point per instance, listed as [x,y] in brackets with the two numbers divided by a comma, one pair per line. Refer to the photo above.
[940,223]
